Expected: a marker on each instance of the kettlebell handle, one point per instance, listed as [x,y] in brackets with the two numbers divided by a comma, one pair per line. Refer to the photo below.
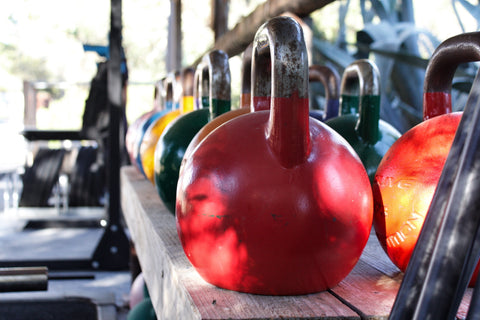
[441,69]
[200,86]
[216,61]
[279,44]
[261,84]
[246,86]
[361,80]
[187,77]
[177,88]
[169,85]
[331,82]
[159,94]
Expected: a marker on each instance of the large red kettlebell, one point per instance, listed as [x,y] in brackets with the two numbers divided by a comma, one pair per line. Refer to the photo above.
[176,137]
[370,136]
[270,202]
[408,174]
[330,80]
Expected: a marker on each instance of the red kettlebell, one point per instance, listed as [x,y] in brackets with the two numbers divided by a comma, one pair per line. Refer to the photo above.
[330,80]
[270,202]
[408,174]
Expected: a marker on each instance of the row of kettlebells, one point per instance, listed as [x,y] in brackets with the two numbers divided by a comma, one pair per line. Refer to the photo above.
[270,200]
[360,86]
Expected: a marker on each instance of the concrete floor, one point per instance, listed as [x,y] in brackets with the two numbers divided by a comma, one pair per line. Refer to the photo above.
[108,290]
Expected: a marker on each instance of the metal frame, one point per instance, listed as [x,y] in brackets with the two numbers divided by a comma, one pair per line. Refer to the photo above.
[113,249]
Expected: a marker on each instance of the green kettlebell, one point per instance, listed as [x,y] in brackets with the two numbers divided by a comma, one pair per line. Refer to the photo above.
[143,311]
[179,133]
[359,116]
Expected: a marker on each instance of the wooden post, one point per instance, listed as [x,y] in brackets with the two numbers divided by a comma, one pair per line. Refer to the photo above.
[30,109]
[236,40]
[219,17]
[174,46]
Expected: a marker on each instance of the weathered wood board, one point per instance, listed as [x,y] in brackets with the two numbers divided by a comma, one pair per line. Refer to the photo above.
[178,292]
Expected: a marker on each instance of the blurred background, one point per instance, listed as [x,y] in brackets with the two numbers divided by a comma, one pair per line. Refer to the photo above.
[42,53]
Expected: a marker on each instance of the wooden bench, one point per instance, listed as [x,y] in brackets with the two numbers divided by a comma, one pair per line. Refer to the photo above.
[178,292]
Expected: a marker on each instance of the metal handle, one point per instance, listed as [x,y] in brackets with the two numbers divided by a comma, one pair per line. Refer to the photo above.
[445,59]
[200,86]
[169,85]
[220,82]
[246,77]
[279,43]
[159,95]
[331,82]
[360,89]
[187,77]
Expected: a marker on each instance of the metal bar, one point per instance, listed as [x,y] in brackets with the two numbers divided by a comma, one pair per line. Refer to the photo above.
[445,255]
[34,135]
[112,252]
[474,308]
[65,264]
[114,87]
[23,279]
[22,271]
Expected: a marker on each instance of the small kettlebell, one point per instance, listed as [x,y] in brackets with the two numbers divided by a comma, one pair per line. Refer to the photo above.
[331,82]
[370,136]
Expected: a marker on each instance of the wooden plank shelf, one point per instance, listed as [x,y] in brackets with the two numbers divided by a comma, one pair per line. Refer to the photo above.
[178,292]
